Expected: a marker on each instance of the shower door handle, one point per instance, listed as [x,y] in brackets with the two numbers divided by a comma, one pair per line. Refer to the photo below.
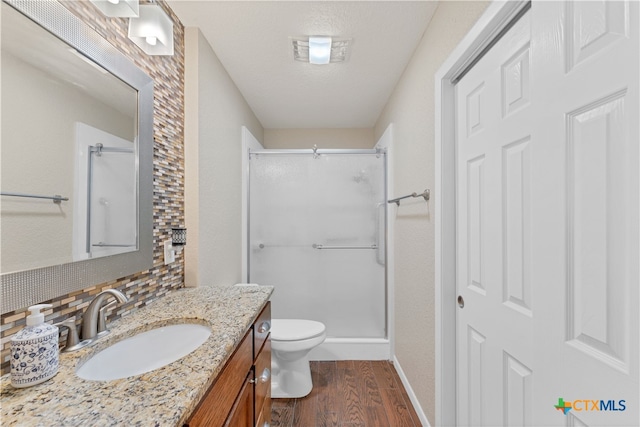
[381,232]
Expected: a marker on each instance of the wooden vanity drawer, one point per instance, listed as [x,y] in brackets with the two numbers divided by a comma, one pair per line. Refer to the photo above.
[219,399]
[262,327]
[263,376]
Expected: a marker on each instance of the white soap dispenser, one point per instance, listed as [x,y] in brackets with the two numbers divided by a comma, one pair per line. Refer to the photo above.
[34,350]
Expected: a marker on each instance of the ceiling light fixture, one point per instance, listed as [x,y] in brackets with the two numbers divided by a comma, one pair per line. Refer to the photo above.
[320,49]
[152,31]
[118,8]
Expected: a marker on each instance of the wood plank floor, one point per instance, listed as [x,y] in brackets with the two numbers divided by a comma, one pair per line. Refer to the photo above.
[348,394]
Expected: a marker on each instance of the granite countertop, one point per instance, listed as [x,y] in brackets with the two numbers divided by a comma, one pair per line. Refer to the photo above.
[164,397]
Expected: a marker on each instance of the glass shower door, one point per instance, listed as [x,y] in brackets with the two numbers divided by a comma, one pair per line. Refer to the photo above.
[316,233]
[112,202]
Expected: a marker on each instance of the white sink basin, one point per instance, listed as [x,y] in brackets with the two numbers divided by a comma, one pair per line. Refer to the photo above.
[144,352]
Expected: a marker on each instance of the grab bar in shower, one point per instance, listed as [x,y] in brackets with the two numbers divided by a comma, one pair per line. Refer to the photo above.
[426,194]
[262,246]
[56,198]
[112,245]
[316,246]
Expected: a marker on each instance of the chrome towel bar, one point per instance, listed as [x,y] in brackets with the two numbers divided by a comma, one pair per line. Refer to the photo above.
[426,194]
[56,198]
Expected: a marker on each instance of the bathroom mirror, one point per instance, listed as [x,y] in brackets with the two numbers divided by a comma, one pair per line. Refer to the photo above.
[77,133]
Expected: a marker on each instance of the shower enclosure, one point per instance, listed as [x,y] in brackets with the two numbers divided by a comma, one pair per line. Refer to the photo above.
[317,231]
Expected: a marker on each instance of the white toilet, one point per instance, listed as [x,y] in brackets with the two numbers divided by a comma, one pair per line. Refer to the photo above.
[291,342]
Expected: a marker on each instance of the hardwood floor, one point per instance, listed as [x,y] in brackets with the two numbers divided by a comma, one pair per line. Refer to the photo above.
[348,394]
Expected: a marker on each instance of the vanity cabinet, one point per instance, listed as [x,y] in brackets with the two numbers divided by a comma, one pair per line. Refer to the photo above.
[262,366]
[241,395]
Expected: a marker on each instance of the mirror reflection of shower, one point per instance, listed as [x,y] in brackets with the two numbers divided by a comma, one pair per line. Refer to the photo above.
[105,206]
[106,220]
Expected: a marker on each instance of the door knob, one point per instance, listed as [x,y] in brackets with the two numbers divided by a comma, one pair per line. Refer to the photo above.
[460,301]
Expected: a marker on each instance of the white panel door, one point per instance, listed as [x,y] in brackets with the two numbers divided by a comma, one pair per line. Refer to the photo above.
[494,235]
[585,215]
[547,221]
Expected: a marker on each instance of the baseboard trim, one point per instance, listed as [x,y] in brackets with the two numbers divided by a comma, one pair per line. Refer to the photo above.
[412,396]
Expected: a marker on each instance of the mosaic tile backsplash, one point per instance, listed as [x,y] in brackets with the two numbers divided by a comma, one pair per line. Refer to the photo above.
[168,179]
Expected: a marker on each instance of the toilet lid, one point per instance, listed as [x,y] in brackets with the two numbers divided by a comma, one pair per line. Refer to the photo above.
[295,329]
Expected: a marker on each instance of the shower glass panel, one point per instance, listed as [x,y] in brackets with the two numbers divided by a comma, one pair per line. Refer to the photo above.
[317,233]
[112,202]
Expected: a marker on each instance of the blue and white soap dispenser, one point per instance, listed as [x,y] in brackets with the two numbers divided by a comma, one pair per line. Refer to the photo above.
[34,350]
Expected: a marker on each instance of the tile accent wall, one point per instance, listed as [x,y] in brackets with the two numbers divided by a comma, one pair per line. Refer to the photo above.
[168,179]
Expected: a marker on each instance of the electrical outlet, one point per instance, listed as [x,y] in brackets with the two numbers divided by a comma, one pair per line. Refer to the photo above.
[169,253]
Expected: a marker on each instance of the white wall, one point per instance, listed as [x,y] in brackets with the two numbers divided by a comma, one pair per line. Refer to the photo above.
[411,110]
[323,138]
[215,112]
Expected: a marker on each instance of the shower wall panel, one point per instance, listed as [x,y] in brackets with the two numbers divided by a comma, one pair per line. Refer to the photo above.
[316,233]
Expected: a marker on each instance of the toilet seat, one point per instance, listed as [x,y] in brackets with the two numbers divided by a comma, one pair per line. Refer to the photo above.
[295,329]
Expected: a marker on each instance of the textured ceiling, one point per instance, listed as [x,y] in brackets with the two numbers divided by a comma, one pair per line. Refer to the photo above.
[252,39]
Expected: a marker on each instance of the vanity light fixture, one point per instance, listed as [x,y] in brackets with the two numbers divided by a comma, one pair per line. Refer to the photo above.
[152,30]
[320,50]
[175,244]
[118,8]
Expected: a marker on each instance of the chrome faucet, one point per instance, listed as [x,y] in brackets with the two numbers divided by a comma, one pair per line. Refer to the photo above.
[94,315]
[73,342]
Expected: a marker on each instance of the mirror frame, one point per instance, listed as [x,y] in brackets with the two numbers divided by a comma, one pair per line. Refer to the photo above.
[25,288]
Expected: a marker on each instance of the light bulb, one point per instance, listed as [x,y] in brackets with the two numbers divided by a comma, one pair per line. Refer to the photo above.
[320,50]
[152,40]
